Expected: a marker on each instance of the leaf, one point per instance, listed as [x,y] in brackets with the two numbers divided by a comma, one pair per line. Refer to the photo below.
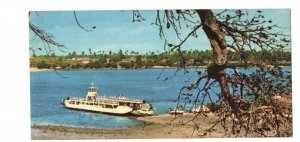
[269,27]
[238,13]
[199,72]
[228,17]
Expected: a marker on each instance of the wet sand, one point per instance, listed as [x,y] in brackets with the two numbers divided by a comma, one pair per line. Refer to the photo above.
[162,126]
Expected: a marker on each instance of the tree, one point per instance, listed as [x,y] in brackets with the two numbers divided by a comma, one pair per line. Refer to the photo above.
[33,54]
[121,55]
[90,50]
[53,55]
[82,54]
[241,95]
[43,64]
[126,65]
[74,54]
[138,61]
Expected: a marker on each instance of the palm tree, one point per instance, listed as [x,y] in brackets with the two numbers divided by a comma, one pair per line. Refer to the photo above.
[90,50]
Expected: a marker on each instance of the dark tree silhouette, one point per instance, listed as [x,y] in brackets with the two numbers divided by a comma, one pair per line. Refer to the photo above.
[248,100]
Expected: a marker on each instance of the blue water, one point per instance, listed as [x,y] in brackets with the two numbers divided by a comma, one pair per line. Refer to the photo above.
[48,89]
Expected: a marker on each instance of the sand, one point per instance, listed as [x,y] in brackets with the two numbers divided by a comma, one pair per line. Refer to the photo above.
[162,126]
[34,69]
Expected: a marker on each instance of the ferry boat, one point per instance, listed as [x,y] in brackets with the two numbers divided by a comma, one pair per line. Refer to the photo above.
[111,105]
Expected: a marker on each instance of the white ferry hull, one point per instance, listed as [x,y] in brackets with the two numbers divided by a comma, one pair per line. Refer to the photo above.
[119,110]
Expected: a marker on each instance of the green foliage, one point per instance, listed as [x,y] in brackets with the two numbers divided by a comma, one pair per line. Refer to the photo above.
[76,66]
[276,57]
[138,61]
[148,64]
[121,55]
[111,65]
[43,64]
[65,65]
[126,65]
[97,64]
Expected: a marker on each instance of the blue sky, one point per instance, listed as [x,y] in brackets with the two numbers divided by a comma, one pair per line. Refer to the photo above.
[115,30]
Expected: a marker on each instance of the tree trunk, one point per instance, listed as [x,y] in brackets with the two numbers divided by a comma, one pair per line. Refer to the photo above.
[218,44]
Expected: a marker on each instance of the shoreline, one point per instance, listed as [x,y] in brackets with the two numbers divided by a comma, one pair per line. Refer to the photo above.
[34,69]
[169,126]
[188,125]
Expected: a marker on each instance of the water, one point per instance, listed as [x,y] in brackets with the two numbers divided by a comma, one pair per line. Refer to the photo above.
[48,89]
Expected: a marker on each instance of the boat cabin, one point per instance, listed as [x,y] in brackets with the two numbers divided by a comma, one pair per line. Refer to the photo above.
[91,93]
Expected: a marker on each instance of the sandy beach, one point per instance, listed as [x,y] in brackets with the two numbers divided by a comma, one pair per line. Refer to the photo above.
[167,125]
[159,126]
[34,69]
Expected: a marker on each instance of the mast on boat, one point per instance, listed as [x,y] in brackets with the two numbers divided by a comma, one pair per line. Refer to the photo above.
[91,93]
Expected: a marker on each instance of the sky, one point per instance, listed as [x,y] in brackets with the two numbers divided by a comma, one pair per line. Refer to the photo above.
[115,30]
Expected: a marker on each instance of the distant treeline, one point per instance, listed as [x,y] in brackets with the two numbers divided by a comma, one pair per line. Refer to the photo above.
[125,59]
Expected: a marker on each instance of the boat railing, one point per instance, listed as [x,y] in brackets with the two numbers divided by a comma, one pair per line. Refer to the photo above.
[99,102]
[125,99]
[74,99]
